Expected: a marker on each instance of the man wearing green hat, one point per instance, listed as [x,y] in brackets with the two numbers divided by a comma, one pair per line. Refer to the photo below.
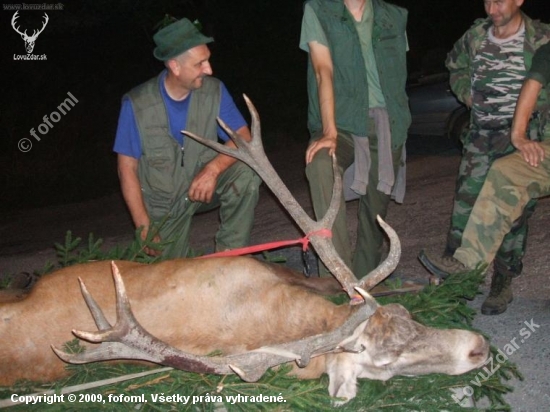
[167,178]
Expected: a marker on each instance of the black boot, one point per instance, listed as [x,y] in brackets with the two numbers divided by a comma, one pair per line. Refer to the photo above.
[499,296]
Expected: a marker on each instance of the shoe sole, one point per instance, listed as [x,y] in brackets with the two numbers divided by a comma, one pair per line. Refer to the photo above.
[430,267]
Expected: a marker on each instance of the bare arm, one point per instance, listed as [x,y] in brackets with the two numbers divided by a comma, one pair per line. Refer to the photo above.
[204,183]
[322,65]
[532,151]
[131,191]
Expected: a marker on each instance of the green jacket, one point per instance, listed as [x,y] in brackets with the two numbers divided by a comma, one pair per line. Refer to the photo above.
[350,74]
[461,56]
[164,181]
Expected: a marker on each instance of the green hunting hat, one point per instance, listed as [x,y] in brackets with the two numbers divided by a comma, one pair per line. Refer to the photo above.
[177,38]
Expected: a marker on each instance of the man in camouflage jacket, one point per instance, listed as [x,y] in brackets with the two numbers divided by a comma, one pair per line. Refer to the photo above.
[487,67]
[511,183]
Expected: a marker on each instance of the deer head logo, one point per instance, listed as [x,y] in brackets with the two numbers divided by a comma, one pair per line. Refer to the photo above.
[29,40]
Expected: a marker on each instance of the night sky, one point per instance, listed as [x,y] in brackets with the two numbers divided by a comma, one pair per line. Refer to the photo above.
[99,50]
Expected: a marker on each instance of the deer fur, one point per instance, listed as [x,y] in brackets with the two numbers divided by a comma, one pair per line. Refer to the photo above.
[232,305]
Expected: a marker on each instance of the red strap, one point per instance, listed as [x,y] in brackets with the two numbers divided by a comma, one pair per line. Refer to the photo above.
[272,245]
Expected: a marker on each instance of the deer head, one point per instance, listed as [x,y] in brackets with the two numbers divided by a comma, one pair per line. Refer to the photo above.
[29,40]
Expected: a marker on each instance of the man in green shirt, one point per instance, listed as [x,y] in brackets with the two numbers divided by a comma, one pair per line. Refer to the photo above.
[358,110]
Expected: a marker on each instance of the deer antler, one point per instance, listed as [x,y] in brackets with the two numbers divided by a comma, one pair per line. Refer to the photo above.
[13,19]
[128,340]
[37,32]
[29,40]
[253,154]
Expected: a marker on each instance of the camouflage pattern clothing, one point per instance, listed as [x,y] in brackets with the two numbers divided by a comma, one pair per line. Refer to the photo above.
[510,185]
[491,72]
[498,73]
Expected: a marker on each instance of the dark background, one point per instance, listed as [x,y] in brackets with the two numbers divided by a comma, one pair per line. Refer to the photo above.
[99,50]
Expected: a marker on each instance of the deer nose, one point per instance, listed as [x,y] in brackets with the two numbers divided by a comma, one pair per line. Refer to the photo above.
[481,349]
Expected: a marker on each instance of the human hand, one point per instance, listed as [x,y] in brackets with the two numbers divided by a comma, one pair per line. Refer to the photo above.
[532,152]
[156,239]
[325,142]
[203,186]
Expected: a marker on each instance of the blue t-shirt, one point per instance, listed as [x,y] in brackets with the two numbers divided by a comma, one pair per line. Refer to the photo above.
[127,141]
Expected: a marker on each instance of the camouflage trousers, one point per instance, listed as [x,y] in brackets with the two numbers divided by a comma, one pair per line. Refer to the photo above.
[508,189]
[481,149]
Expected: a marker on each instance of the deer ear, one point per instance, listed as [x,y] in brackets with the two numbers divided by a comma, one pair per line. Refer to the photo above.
[395,309]
[384,359]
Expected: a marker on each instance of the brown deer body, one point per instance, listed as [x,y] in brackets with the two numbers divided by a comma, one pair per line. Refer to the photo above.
[258,315]
[228,304]
[198,305]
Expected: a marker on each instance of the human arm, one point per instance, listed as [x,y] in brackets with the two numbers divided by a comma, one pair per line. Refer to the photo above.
[322,65]
[532,151]
[458,64]
[204,183]
[131,192]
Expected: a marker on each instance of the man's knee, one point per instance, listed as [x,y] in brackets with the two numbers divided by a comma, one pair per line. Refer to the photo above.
[505,166]
[319,167]
[244,179]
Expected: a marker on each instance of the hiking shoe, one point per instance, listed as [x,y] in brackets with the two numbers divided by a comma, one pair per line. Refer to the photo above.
[441,266]
[499,296]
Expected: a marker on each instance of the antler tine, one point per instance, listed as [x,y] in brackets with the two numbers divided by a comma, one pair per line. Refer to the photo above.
[47,19]
[128,340]
[13,19]
[330,215]
[255,117]
[99,318]
[36,32]
[388,265]
[246,151]
[255,127]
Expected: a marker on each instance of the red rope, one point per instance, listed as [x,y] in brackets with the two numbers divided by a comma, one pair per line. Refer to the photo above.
[304,241]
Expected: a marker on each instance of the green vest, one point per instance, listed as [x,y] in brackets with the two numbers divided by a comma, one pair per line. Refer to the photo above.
[164,182]
[350,74]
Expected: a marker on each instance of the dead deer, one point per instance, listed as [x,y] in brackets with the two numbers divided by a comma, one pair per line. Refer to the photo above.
[257,314]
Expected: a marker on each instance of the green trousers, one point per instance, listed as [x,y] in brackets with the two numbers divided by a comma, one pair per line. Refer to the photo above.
[370,237]
[236,197]
[510,186]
